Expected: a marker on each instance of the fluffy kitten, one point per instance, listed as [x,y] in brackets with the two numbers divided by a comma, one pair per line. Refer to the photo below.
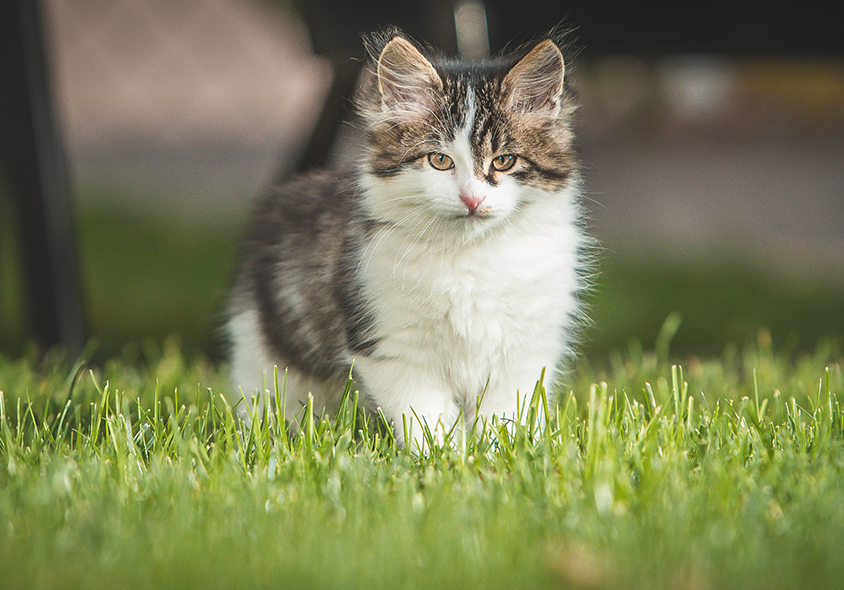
[447,267]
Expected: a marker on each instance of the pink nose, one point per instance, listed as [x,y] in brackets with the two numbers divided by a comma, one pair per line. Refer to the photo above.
[471,201]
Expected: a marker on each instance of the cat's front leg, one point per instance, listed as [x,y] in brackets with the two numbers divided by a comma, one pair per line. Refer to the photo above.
[510,397]
[418,406]
[430,419]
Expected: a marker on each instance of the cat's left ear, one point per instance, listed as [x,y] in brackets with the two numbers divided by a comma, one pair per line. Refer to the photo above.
[406,80]
[535,84]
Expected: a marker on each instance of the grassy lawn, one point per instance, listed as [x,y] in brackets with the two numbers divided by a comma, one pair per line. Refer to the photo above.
[716,474]
[725,472]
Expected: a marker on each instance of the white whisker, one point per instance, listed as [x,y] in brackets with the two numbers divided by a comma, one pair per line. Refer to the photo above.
[385,231]
[408,250]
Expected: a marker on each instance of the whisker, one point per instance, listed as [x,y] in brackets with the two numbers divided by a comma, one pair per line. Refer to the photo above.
[407,251]
[399,256]
[385,231]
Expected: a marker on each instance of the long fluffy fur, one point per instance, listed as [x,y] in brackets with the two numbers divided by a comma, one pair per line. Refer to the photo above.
[445,309]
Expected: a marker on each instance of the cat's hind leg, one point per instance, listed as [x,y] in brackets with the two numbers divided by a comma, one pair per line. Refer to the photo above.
[253,368]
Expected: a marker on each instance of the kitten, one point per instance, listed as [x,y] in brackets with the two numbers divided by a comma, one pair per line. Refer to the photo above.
[446,268]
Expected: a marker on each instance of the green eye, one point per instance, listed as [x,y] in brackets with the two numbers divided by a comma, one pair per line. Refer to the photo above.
[440,161]
[503,163]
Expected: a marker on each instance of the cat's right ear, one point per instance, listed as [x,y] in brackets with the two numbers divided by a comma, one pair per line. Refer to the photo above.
[406,80]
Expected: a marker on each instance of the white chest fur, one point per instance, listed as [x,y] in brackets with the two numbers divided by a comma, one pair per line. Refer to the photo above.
[488,314]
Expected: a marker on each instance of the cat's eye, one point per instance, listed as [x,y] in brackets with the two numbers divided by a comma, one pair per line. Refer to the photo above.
[503,163]
[440,161]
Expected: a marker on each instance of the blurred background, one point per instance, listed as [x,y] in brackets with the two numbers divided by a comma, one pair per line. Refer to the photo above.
[712,140]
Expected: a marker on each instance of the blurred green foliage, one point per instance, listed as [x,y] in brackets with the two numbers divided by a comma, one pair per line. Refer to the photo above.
[148,274]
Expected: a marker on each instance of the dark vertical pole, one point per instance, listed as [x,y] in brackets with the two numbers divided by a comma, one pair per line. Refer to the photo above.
[34,167]
[334,111]
[335,29]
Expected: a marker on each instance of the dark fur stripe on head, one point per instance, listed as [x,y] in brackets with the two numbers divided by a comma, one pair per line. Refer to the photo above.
[543,139]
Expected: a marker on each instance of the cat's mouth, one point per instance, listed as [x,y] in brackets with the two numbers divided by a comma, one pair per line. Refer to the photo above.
[476,214]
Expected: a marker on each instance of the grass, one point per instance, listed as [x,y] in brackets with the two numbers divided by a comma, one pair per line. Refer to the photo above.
[723,473]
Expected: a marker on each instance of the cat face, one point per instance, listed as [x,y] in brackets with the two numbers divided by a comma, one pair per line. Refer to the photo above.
[464,147]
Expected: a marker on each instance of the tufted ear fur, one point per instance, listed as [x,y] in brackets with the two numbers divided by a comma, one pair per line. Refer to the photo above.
[406,80]
[535,84]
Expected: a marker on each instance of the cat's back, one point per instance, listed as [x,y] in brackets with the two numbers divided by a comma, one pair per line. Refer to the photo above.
[298,239]
[292,290]
[313,210]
